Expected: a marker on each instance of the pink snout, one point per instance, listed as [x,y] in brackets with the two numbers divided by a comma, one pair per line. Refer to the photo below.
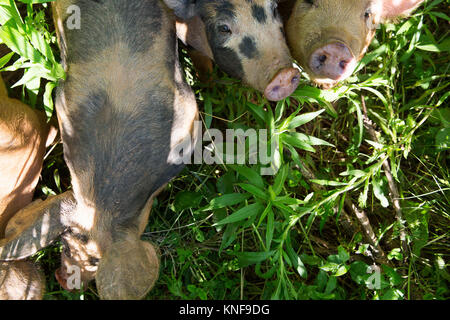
[333,61]
[283,84]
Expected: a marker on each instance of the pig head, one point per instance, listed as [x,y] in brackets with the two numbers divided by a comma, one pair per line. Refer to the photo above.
[329,37]
[244,38]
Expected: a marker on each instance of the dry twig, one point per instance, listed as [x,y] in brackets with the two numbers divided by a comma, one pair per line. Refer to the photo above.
[393,190]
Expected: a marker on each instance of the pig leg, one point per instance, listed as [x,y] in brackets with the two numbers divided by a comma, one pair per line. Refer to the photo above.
[27,232]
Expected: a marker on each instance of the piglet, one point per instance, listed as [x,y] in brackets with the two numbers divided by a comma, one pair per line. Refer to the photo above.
[24,136]
[329,37]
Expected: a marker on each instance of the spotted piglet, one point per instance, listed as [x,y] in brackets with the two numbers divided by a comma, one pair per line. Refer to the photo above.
[245,38]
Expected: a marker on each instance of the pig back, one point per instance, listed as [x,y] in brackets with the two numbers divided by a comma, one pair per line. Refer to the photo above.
[124,104]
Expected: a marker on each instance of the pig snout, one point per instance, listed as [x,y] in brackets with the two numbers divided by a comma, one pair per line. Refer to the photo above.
[283,84]
[334,61]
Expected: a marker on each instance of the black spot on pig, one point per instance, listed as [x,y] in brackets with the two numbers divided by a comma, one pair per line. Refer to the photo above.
[137,16]
[248,47]
[259,13]
[228,60]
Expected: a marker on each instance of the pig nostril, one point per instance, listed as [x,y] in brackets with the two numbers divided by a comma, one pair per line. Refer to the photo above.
[343,64]
[275,89]
[323,58]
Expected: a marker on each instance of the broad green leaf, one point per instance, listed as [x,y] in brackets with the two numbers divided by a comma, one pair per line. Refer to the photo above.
[187,199]
[38,41]
[254,190]
[393,294]
[354,173]
[280,179]
[208,112]
[358,272]
[395,253]
[253,176]
[378,192]
[341,270]
[310,139]
[395,278]
[48,100]
[331,285]
[293,141]
[257,110]
[297,263]
[242,214]
[330,267]
[227,200]
[343,254]
[19,43]
[246,259]
[304,118]
[5,59]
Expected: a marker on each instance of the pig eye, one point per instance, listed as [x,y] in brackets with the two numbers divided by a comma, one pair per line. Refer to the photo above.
[275,10]
[224,29]
[367,14]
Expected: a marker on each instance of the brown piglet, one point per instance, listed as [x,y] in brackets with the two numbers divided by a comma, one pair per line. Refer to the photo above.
[329,37]
[24,136]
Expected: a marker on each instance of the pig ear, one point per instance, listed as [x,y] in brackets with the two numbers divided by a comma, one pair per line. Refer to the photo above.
[184,9]
[193,32]
[35,227]
[392,9]
[128,271]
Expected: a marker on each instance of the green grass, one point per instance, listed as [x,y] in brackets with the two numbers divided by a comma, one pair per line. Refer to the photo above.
[226,232]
